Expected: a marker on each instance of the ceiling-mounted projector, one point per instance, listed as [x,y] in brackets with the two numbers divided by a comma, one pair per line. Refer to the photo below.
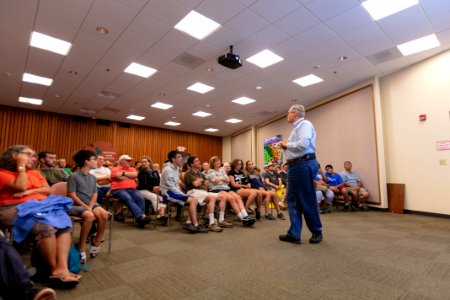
[230,60]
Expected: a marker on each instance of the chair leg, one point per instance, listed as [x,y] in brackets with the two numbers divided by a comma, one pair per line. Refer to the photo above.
[112,212]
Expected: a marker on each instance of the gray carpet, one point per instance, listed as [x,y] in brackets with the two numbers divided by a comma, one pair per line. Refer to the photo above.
[364,255]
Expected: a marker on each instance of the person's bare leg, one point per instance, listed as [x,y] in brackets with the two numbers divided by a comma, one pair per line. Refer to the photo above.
[102,219]
[193,202]
[88,219]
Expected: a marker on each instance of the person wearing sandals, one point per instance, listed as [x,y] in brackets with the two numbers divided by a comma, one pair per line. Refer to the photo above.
[149,187]
[218,183]
[20,185]
[82,188]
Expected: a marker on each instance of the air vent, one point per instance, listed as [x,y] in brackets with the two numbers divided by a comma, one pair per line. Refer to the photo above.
[384,56]
[188,61]
[88,111]
[265,113]
[108,95]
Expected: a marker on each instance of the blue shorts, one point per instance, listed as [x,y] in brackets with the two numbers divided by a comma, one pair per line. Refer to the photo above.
[175,198]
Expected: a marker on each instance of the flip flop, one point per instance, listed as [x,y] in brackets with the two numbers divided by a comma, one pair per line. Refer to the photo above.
[59,282]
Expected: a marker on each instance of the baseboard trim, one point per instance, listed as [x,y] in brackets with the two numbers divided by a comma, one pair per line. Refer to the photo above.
[424,213]
[378,208]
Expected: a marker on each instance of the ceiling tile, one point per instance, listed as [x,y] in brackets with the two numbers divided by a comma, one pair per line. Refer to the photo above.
[271,12]
[326,9]
[315,35]
[299,20]
[243,27]
[220,11]
[340,24]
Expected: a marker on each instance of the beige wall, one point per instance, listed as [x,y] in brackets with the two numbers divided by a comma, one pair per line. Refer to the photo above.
[410,145]
[241,145]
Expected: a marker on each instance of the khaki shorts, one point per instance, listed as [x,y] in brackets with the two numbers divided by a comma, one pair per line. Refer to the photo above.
[40,230]
[201,195]
[360,191]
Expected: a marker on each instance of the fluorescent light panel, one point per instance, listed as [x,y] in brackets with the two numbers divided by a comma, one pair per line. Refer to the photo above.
[200,88]
[264,59]
[308,80]
[161,105]
[170,123]
[419,45]
[243,101]
[234,121]
[211,129]
[379,9]
[134,117]
[33,101]
[197,25]
[140,70]
[37,79]
[201,114]
[49,43]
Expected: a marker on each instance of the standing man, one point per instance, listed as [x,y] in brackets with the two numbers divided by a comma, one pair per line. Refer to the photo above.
[302,168]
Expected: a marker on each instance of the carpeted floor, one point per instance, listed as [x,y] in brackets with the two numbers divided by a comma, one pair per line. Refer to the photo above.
[364,255]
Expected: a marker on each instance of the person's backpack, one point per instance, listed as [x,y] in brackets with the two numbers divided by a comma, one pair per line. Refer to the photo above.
[74,261]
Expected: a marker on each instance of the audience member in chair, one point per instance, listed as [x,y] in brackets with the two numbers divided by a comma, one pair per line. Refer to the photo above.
[103,177]
[240,184]
[47,161]
[149,187]
[337,185]
[197,186]
[171,192]
[82,188]
[274,184]
[124,185]
[218,183]
[324,194]
[354,185]
[19,184]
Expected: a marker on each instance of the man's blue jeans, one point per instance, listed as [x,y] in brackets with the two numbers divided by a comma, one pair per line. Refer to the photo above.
[133,199]
[301,197]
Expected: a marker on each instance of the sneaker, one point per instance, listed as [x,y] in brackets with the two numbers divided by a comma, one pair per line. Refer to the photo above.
[141,222]
[190,228]
[226,224]
[346,207]
[363,208]
[281,205]
[215,227]
[316,238]
[257,214]
[162,220]
[202,229]
[248,221]
[281,216]
[288,238]
[269,217]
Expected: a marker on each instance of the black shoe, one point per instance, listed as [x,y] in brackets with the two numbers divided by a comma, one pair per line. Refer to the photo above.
[316,238]
[248,221]
[119,217]
[289,238]
[346,207]
[190,228]
[257,214]
[270,217]
[141,222]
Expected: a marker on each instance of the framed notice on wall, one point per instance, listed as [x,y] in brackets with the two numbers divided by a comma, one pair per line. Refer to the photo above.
[272,150]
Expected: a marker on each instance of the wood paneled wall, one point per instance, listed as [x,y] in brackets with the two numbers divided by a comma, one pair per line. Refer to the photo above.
[60,133]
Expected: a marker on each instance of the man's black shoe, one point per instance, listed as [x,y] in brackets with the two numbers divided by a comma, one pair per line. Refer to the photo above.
[316,238]
[289,238]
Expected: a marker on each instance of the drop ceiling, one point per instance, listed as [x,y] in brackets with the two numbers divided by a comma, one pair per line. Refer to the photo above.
[311,36]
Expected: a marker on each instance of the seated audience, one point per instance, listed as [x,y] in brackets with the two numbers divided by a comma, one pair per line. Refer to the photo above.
[148,185]
[197,186]
[22,189]
[239,183]
[337,185]
[47,160]
[257,183]
[205,167]
[82,188]
[218,183]
[171,192]
[103,177]
[62,164]
[156,168]
[15,281]
[274,185]
[123,186]
[354,185]
[324,195]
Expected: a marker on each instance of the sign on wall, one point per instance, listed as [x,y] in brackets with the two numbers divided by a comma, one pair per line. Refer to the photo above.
[104,148]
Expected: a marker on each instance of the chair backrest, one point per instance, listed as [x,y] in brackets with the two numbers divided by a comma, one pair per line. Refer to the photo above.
[59,188]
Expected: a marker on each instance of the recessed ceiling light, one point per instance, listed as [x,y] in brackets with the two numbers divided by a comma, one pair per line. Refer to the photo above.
[233,121]
[419,45]
[161,105]
[134,117]
[379,9]
[170,123]
[37,79]
[33,101]
[264,59]
[243,101]
[49,43]
[140,70]
[201,114]
[259,87]
[197,25]
[308,80]
[102,30]
[211,129]
[200,88]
